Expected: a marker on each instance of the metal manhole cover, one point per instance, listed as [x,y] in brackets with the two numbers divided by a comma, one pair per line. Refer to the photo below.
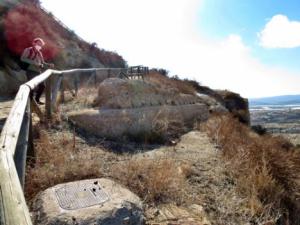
[80,195]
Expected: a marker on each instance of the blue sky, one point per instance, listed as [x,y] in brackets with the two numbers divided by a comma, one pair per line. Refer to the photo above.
[247,46]
[219,18]
[247,17]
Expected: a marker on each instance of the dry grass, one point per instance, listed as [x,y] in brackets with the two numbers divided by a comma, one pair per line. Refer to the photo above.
[266,168]
[154,180]
[58,161]
[169,83]
[84,99]
[61,158]
[86,96]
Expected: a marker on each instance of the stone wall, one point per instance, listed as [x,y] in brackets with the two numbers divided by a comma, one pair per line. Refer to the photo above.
[156,122]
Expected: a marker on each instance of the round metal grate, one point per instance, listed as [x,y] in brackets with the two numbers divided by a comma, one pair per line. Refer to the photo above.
[80,195]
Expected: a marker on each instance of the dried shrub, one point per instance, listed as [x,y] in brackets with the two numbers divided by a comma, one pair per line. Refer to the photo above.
[169,83]
[266,168]
[167,127]
[58,162]
[154,180]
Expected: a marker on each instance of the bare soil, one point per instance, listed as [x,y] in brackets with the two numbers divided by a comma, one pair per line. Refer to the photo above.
[5,107]
[209,185]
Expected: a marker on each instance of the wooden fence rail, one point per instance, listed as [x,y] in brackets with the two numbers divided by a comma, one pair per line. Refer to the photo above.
[15,145]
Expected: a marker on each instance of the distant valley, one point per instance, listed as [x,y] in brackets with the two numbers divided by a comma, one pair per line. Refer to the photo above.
[279,115]
[276,100]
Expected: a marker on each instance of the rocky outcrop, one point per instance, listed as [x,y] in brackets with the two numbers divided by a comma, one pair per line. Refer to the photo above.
[88,202]
[154,124]
[11,77]
[236,105]
[10,80]
[233,102]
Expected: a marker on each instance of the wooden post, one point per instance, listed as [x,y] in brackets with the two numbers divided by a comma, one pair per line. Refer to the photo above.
[76,84]
[95,78]
[55,90]
[138,71]
[35,108]
[48,98]
[30,150]
[62,92]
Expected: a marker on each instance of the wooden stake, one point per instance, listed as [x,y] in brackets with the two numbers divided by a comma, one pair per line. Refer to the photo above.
[35,108]
[48,99]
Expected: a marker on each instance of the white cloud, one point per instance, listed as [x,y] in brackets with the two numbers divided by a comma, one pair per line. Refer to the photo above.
[280,32]
[228,64]
[164,34]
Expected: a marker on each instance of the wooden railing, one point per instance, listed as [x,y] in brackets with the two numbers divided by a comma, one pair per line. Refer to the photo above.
[16,144]
[134,72]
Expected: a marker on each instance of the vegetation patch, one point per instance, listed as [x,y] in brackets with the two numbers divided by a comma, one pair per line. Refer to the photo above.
[63,157]
[154,180]
[58,160]
[265,168]
[165,82]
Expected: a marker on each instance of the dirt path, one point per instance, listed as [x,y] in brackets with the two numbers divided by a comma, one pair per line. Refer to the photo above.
[213,192]
[5,107]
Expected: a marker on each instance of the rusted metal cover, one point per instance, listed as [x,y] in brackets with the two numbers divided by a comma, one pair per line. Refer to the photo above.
[83,195]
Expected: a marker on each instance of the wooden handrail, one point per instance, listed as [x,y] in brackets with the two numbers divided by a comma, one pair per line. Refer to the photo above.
[37,80]
[12,126]
[13,208]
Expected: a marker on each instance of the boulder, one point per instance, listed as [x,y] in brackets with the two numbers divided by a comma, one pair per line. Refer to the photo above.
[213,105]
[236,105]
[233,102]
[158,122]
[87,202]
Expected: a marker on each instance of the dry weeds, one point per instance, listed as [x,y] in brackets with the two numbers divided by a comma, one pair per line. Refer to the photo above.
[57,161]
[84,99]
[62,157]
[169,83]
[266,168]
[154,180]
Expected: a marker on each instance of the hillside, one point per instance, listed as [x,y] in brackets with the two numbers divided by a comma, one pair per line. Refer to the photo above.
[215,171]
[23,20]
[184,152]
